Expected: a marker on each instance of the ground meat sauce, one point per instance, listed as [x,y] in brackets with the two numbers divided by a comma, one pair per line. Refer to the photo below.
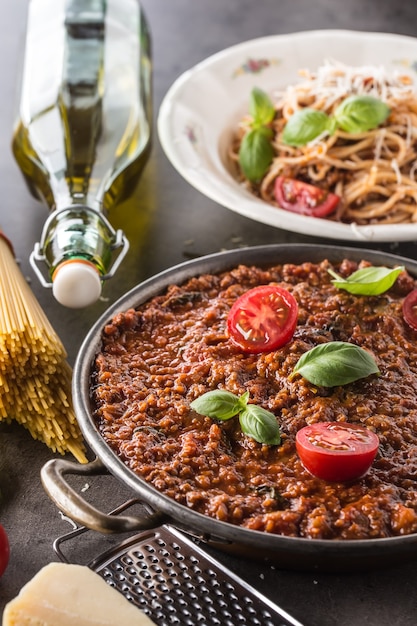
[156,360]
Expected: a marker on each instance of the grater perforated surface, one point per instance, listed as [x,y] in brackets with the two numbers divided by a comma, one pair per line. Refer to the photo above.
[176,583]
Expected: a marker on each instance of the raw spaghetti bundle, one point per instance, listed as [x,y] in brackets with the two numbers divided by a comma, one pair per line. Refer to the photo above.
[35,377]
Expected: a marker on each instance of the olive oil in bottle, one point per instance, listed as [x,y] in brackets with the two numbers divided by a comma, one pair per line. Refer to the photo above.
[83,134]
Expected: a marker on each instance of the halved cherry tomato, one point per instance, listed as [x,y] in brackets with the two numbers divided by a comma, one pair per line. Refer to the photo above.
[294,195]
[263,319]
[336,451]
[4,550]
[410,309]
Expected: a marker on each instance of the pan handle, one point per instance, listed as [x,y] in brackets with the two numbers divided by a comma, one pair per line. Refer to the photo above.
[73,505]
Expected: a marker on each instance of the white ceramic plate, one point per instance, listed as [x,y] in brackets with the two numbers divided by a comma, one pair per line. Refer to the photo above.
[198,114]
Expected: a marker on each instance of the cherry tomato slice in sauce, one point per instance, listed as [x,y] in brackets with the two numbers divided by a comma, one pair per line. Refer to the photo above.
[263,319]
[4,550]
[299,197]
[410,309]
[336,451]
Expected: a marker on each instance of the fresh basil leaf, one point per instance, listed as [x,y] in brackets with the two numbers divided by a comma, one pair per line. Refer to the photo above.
[260,424]
[261,108]
[256,153]
[335,363]
[358,114]
[255,421]
[368,281]
[305,125]
[219,404]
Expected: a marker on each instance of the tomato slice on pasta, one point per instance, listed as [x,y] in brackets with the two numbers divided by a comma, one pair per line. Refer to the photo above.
[299,197]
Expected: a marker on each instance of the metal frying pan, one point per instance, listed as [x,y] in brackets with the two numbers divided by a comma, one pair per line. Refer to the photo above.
[288,552]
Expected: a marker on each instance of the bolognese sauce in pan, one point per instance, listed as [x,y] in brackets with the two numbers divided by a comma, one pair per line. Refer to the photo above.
[158,359]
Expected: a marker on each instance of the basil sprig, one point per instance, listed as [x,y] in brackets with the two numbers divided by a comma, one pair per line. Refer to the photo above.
[261,108]
[368,281]
[335,363]
[256,152]
[305,125]
[254,421]
[356,114]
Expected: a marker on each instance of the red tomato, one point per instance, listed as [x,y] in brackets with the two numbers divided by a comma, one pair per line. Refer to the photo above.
[263,319]
[298,197]
[4,550]
[410,309]
[336,451]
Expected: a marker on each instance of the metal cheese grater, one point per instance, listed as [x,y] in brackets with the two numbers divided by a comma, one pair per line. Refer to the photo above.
[171,579]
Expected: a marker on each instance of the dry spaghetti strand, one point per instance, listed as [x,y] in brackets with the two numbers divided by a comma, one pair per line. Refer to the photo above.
[35,377]
[373,172]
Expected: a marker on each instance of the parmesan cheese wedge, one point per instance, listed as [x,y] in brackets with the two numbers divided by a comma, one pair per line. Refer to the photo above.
[71,595]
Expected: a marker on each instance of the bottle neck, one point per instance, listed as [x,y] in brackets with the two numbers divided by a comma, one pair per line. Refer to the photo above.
[78,233]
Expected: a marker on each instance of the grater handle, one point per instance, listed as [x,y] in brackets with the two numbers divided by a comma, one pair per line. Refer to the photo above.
[74,506]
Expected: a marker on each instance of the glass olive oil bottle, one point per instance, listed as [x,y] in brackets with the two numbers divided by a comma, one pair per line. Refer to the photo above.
[83,134]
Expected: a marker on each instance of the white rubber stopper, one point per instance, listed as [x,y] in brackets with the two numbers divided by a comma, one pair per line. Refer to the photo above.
[76,284]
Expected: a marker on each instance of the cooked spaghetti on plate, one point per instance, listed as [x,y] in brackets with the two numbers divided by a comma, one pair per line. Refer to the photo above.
[340,144]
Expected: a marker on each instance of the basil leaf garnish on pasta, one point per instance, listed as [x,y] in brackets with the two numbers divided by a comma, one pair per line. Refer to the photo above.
[358,114]
[355,114]
[368,281]
[305,125]
[256,422]
[261,108]
[335,363]
[256,152]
